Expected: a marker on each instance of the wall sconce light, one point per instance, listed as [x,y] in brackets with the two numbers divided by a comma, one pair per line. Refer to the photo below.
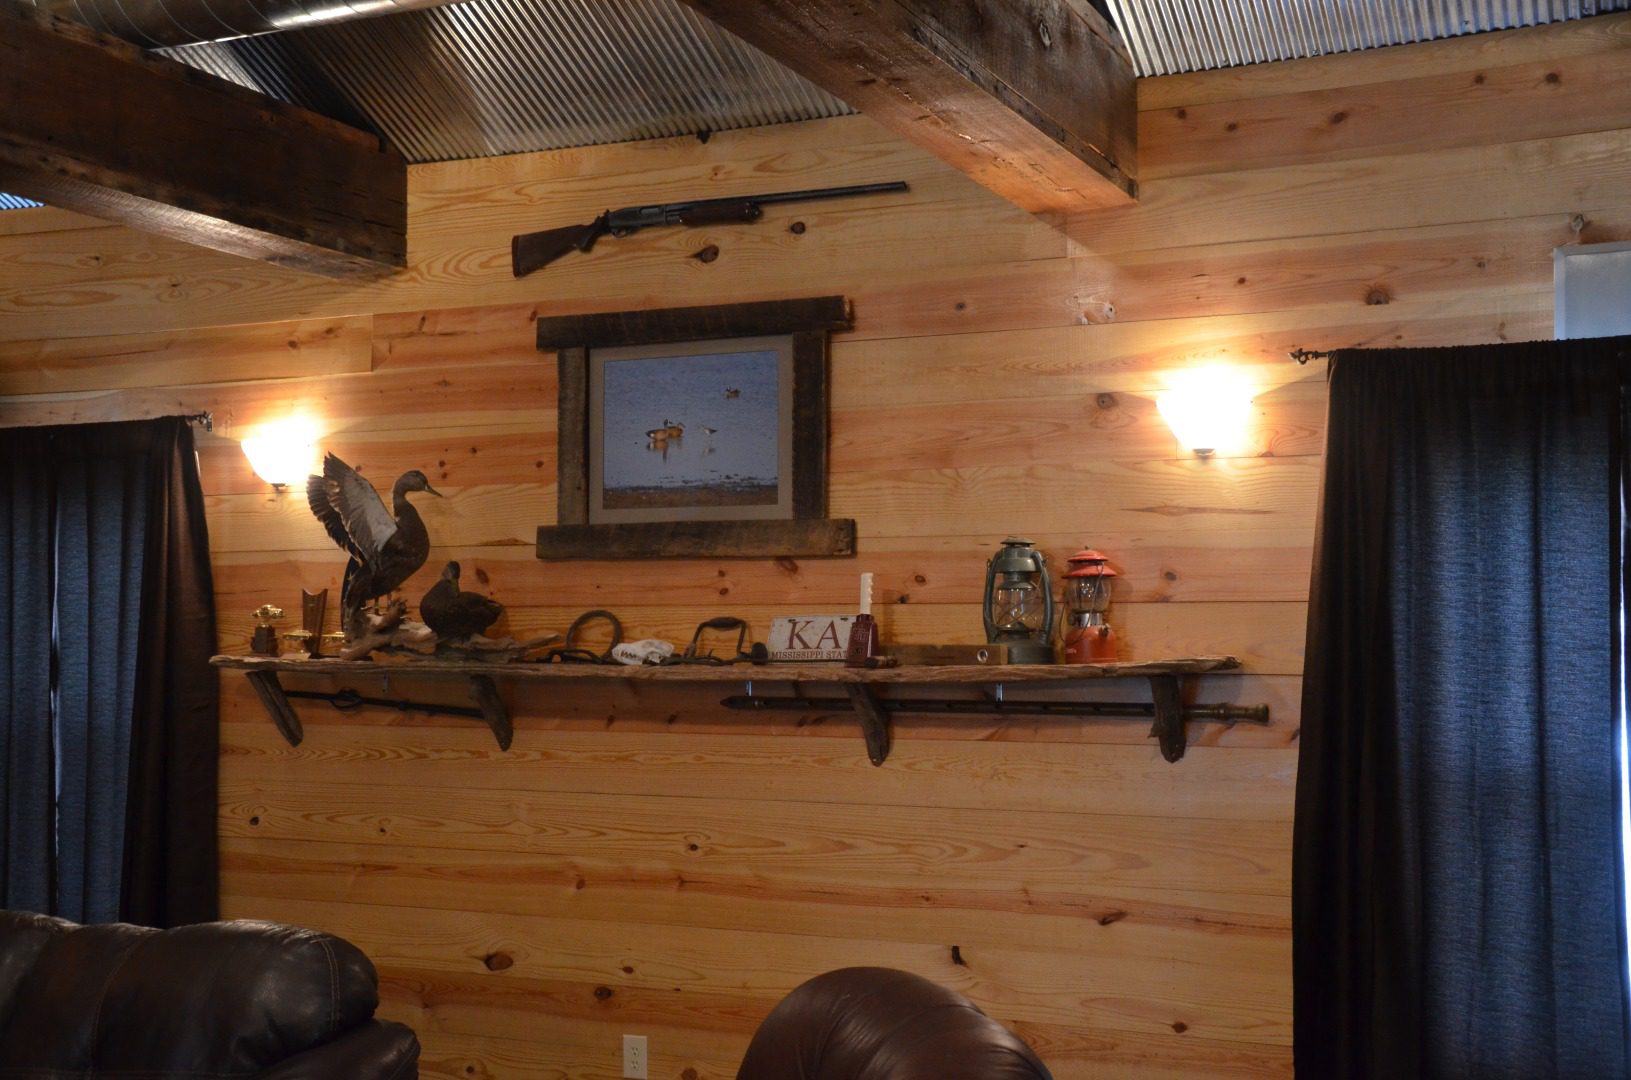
[283,452]
[1208,409]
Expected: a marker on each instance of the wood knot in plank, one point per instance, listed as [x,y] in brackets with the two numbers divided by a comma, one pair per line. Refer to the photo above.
[603,993]
[1112,917]
[707,254]
[957,956]
[1097,314]
[499,961]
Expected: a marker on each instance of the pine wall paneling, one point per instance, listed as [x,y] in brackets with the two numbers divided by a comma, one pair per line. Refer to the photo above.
[643,860]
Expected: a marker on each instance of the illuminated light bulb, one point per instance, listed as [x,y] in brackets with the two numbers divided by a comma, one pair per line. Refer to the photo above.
[283,452]
[1208,409]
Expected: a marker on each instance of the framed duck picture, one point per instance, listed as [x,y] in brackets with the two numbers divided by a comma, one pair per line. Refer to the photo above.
[695,432]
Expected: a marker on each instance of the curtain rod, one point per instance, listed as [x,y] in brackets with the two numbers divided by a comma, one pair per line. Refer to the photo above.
[201,418]
[1303,356]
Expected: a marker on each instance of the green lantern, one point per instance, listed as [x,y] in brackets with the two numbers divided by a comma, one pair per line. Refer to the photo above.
[1018,608]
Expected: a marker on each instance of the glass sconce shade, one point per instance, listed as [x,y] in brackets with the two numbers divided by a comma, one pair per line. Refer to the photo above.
[1208,410]
[284,452]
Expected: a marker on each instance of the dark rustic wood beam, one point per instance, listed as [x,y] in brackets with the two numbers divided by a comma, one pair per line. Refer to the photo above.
[93,124]
[1031,98]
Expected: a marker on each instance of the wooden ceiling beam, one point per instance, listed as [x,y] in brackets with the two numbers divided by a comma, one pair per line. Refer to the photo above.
[1033,99]
[93,124]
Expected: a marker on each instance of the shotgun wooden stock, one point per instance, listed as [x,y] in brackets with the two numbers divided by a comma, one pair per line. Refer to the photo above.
[529,251]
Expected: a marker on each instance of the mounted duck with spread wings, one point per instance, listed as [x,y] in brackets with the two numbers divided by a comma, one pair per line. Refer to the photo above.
[385,550]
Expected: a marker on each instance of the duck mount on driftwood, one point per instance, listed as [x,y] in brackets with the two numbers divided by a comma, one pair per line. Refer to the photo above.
[459,620]
[386,547]
[456,615]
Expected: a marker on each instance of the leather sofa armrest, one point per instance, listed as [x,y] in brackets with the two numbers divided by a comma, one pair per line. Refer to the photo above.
[378,1050]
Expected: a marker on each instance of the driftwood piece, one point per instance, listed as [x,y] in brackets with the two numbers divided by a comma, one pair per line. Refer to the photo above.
[370,630]
[484,649]
[392,632]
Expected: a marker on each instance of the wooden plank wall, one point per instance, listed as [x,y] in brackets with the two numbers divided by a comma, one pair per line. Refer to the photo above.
[642,861]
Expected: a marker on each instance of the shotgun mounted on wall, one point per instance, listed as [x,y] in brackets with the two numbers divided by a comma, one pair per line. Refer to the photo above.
[529,251]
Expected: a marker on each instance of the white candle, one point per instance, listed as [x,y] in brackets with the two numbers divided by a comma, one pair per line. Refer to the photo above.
[866,594]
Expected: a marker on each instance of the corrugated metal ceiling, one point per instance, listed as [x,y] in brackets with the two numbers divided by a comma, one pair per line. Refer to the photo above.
[1167,37]
[508,76]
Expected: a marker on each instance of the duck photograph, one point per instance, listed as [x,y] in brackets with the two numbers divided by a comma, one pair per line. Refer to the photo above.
[691,427]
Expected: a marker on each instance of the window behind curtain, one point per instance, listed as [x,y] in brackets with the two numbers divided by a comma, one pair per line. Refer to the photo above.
[1457,906]
[77,534]
[1506,688]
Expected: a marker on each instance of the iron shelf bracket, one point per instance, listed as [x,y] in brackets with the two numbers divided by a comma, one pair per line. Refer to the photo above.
[483,691]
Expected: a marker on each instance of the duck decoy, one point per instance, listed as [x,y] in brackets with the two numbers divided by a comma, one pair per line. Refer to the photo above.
[455,615]
[385,550]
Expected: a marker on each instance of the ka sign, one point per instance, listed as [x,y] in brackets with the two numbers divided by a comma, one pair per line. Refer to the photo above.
[809,637]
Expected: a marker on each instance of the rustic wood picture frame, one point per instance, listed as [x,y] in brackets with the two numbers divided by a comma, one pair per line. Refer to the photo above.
[808,532]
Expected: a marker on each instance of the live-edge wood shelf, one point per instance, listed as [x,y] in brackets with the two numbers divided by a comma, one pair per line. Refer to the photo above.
[860,686]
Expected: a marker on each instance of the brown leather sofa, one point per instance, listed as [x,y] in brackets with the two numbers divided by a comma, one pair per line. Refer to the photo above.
[216,1000]
[867,1023]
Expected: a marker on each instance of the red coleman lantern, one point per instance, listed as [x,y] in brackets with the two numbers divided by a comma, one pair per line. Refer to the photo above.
[1088,639]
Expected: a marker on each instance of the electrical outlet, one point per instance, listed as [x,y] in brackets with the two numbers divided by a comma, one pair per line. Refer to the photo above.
[634,1057]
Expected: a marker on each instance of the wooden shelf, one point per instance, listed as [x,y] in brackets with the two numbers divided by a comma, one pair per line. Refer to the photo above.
[861,686]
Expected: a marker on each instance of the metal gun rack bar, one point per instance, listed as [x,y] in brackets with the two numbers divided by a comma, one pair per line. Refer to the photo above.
[861,686]
[874,712]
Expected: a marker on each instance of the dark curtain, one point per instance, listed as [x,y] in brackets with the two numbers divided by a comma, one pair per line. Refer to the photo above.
[27,825]
[1457,906]
[171,866]
[110,731]
[102,479]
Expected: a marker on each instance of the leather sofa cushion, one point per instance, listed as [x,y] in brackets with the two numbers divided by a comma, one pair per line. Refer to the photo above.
[211,1000]
[22,935]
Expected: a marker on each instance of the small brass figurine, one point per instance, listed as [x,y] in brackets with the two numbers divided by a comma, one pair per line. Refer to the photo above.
[264,643]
